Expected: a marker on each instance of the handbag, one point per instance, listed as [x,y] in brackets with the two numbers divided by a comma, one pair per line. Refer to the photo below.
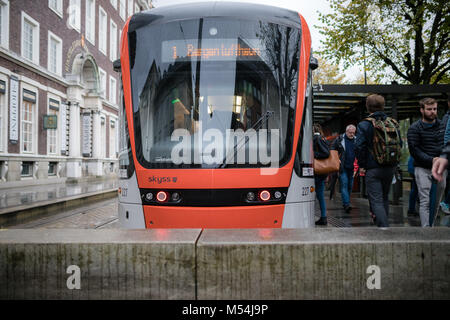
[328,165]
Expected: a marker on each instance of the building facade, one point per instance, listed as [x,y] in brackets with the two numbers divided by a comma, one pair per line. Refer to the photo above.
[58,91]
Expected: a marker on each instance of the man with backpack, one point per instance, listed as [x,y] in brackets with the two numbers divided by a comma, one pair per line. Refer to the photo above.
[425,141]
[377,148]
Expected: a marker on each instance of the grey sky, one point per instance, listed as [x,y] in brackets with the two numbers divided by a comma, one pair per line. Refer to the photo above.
[307,8]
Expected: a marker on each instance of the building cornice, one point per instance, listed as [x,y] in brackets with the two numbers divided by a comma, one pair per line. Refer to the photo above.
[15,58]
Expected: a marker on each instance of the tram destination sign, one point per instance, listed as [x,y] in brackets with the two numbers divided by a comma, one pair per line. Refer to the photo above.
[211,50]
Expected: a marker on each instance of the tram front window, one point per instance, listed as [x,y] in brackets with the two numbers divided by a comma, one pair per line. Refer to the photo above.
[213,92]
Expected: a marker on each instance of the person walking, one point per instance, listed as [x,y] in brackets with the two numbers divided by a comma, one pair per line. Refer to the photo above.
[377,157]
[345,144]
[321,151]
[425,141]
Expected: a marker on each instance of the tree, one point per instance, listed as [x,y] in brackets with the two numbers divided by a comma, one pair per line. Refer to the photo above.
[409,37]
[359,79]
[328,73]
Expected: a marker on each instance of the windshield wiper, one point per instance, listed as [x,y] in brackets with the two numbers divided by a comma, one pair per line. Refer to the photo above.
[258,124]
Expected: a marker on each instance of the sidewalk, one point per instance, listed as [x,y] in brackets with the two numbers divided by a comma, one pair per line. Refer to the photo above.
[359,216]
[22,203]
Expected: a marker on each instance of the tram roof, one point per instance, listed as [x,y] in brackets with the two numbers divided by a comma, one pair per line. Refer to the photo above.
[196,10]
[339,102]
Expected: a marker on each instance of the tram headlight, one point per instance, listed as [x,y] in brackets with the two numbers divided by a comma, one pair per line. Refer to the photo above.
[161,196]
[277,195]
[175,196]
[251,196]
[264,195]
[149,196]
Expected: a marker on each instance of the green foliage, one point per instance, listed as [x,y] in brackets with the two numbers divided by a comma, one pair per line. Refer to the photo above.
[328,73]
[409,37]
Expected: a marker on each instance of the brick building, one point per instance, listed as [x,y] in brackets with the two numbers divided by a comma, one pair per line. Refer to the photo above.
[58,91]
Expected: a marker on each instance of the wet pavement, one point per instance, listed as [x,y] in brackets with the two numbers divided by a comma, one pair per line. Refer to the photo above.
[34,195]
[359,216]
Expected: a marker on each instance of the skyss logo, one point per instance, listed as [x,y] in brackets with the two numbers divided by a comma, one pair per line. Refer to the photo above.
[160,180]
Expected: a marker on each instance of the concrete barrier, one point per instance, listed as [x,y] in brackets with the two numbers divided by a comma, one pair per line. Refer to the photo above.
[326,263]
[106,264]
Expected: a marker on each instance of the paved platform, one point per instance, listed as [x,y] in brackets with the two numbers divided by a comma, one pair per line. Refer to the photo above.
[22,204]
[16,198]
[359,216]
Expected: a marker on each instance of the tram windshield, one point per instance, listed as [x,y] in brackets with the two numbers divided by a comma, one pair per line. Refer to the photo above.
[214,93]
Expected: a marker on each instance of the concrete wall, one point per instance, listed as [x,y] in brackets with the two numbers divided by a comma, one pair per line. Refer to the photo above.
[114,264]
[410,263]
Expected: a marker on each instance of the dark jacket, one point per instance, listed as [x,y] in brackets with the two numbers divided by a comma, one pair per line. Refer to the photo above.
[425,143]
[321,147]
[364,142]
[339,145]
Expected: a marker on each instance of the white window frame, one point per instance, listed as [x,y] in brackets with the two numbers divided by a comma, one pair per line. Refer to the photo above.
[35,35]
[122,9]
[4,28]
[53,131]
[74,13]
[112,90]
[102,76]
[59,7]
[90,22]
[102,31]
[34,123]
[113,3]
[130,8]
[112,40]
[52,36]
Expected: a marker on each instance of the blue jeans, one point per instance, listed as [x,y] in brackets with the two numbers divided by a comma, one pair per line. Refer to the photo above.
[320,188]
[346,182]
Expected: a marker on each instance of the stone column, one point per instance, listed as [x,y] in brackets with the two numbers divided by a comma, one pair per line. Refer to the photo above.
[95,165]
[74,161]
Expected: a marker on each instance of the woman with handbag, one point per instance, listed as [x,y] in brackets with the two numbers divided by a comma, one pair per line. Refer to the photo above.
[321,151]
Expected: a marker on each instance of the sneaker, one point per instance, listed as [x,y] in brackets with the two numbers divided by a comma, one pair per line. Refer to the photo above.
[444,207]
[347,208]
[321,222]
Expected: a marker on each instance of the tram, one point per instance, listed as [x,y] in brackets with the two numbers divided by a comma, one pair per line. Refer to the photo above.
[216,118]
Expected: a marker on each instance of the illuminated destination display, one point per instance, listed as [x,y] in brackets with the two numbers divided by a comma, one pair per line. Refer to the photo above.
[211,49]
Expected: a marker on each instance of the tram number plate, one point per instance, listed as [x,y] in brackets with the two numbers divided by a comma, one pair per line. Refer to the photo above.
[305,191]
[308,172]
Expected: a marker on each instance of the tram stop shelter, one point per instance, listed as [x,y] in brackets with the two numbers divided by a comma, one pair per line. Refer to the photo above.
[335,106]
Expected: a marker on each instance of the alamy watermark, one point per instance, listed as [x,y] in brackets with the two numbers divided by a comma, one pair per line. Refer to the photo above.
[214,147]
[374,281]
[74,280]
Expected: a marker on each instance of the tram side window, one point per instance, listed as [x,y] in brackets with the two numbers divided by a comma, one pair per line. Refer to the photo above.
[126,167]
[305,153]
